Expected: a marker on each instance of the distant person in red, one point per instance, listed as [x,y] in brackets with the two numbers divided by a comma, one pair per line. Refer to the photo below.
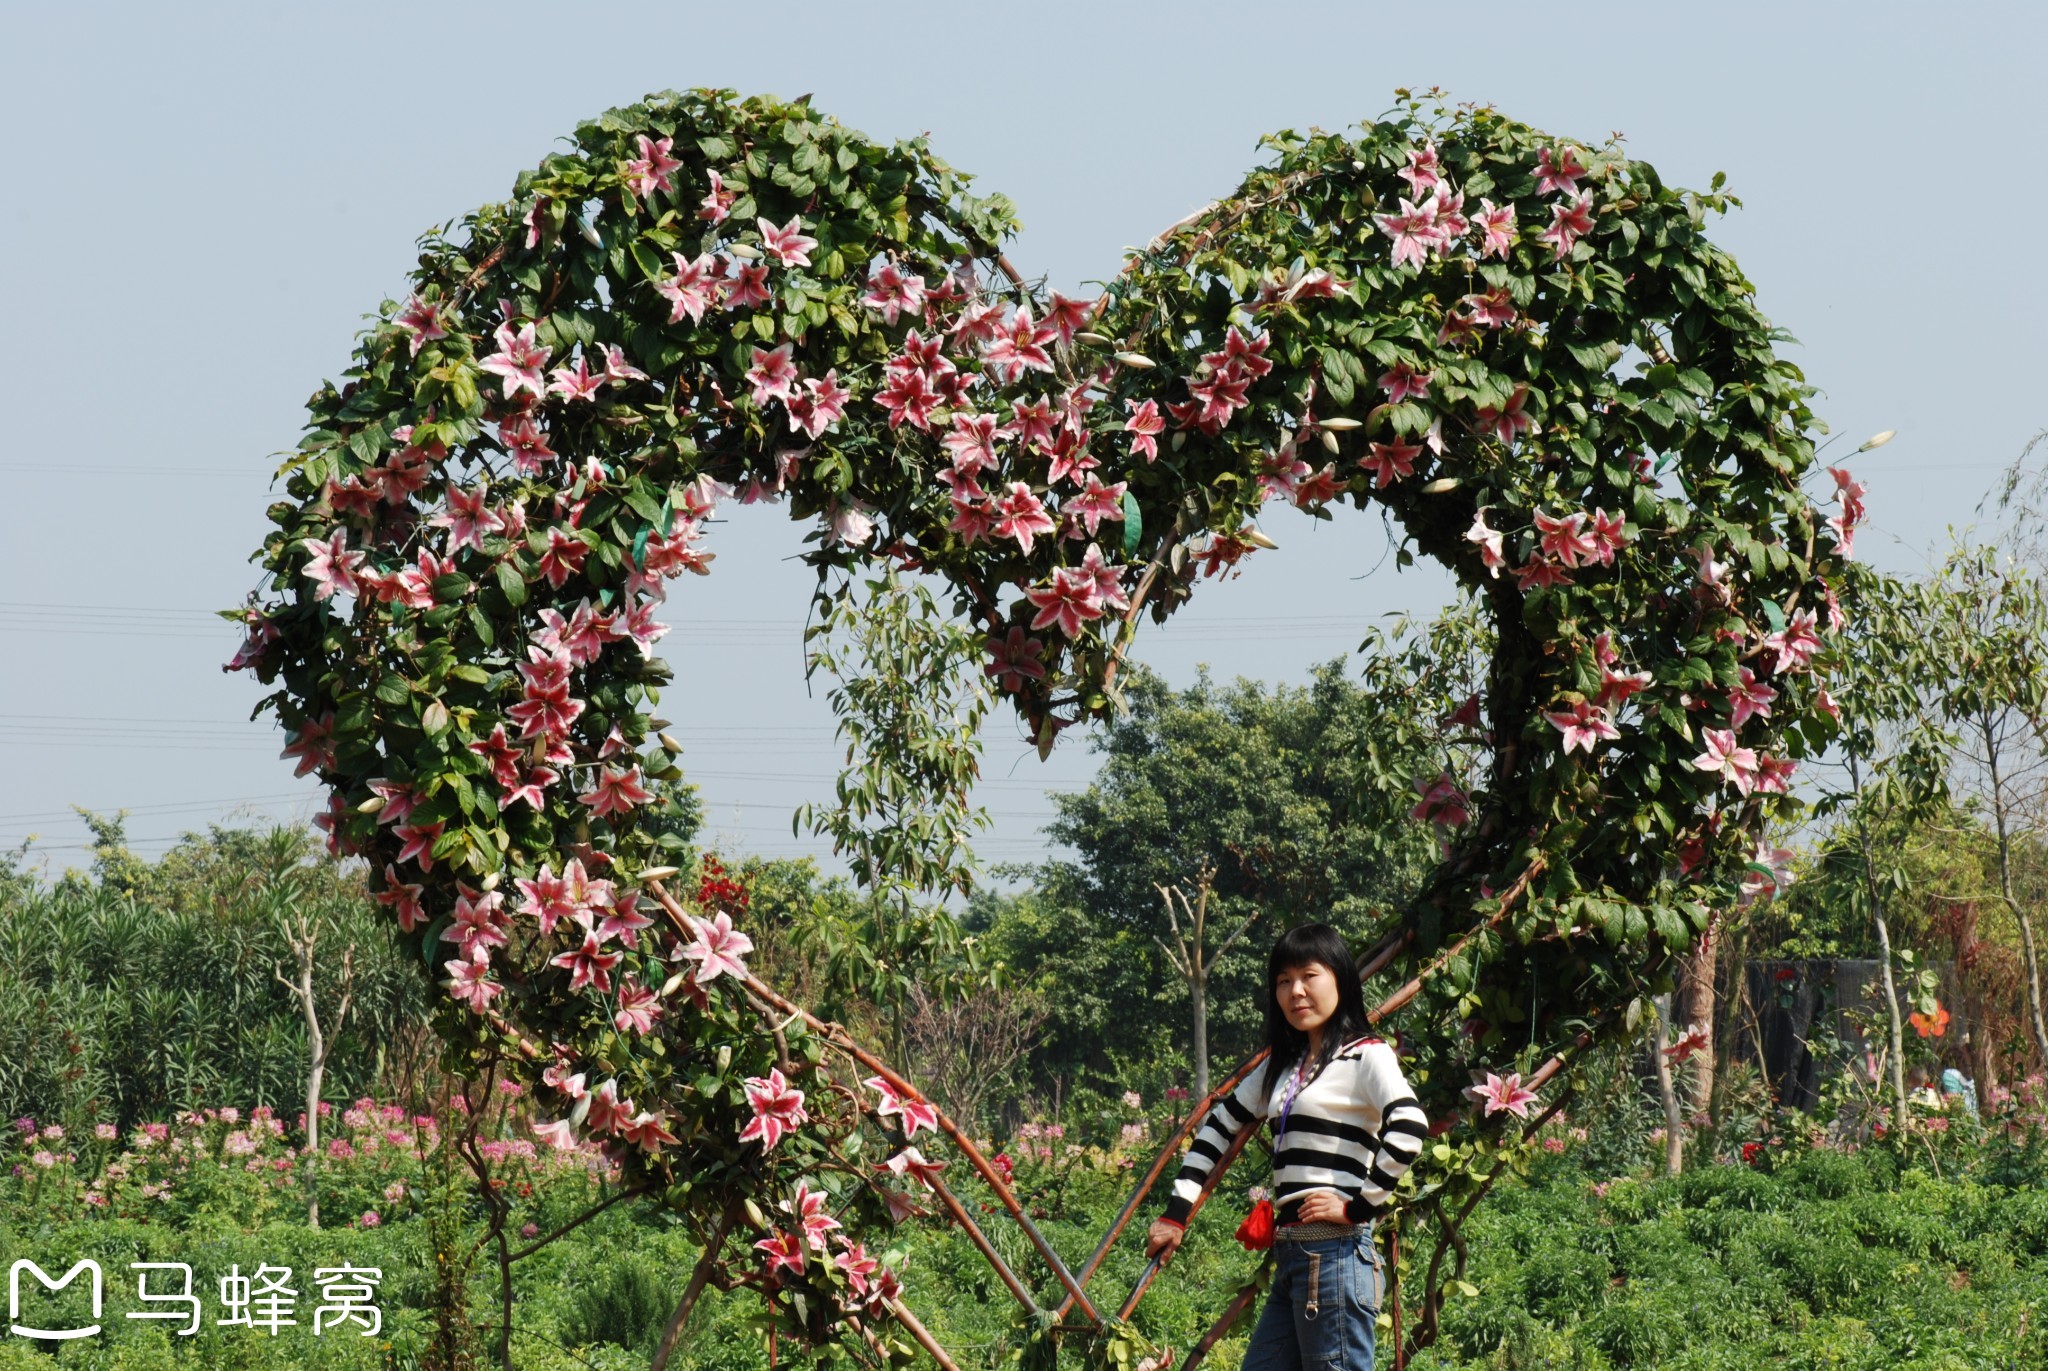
[1345,1126]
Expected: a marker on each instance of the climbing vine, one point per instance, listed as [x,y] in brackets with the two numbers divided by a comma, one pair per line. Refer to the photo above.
[1523,350]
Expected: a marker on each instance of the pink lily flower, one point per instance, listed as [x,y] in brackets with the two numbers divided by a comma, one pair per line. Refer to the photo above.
[778,1109]
[914,1112]
[1069,602]
[1391,462]
[312,742]
[647,1132]
[1489,543]
[1496,227]
[653,169]
[1503,1093]
[402,898]
[519,360]
[1403,382]
[718,204]
[1014,660]
[638,1007]
[479,921]
[1555,172]
[1507,422]
[784,1250]
[1021,516]
[469,979]
[893,290]
[1443,803]
[422,321]
[1570,220]
[1735,763]
[589,965]
[808,1209]
[787,244]
[772,374]
[1583,725]
[467,518]
[333,567]
[1682,1048]
[717,948]
[1096,503]
[616,792]
[576,382]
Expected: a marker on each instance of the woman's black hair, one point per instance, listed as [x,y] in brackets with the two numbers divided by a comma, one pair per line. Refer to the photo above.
[1286,1044]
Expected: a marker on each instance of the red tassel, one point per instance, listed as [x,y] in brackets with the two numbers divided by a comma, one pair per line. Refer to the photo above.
[1256,1232]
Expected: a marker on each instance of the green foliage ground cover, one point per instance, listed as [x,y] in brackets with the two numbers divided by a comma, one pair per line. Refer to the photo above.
[1933,1256]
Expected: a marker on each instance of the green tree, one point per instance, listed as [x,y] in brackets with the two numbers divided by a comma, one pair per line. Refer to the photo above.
[1295,800]
[1988,616]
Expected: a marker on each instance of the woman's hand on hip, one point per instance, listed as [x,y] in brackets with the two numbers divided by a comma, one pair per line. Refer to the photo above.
[1324,1206]
[1163,1239]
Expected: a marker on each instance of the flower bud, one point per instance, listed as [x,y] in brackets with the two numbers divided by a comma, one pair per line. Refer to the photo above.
[1440,485]
[371,805]
[1136,359]
[659,873]
[590,235]
[1339,423]
[673,984]
[1876,440]
[744,250]
[1258,539]
[1094,339]
[491,881]
[669,745]
[1330,443]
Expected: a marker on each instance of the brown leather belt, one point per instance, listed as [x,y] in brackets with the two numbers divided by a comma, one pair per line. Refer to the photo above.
[1318,1232]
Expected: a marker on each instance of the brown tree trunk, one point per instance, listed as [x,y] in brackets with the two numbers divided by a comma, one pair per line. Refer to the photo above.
[1699,1012]
[2019,913]
[1674,1121]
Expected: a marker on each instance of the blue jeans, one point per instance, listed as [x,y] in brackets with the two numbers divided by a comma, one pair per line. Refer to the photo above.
[1320,1313]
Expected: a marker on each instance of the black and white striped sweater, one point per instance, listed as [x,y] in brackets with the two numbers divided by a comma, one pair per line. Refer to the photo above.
[1354,1128]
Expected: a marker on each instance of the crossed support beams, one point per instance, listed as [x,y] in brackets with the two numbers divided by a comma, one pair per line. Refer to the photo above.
[1072,1283]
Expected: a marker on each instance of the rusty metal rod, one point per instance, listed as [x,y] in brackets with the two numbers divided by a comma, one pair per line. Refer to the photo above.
[1223,1162]
[837,1037]
[980,1240]
[1168,1151]
[1231,1313]
[923,1335]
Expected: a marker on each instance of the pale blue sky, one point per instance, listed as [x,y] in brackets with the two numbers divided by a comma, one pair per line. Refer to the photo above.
[204,199]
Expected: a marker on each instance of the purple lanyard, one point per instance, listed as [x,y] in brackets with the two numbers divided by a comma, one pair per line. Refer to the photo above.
[1293,1089]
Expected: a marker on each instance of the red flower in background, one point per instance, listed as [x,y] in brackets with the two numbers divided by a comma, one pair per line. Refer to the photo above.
[1933,1025]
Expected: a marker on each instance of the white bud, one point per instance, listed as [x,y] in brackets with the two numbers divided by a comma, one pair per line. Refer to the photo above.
[590,235]
[1095,339]
[1340,423]
[1258,539]
[1877,440]
[1440,485]
[491,881]
[669,745]
[1136,359]
[1330,443]
[371,805]
[673,984]
[659,873]
[744,250]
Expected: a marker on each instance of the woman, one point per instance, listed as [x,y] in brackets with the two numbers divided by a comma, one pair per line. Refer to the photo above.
[1345,1126]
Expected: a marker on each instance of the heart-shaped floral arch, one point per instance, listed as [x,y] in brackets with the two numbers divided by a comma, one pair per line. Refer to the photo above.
[1524,350]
